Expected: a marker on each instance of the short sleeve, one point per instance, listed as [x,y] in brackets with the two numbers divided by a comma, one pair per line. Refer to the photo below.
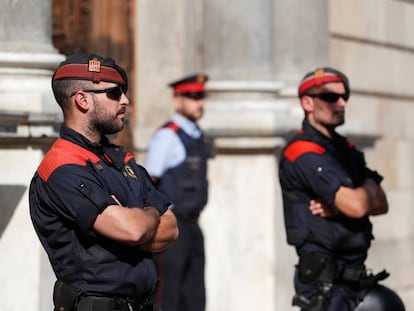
[165,151]
[77,197]
[322,176]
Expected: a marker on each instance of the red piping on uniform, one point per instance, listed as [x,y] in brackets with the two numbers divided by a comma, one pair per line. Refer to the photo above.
[300,147]
[128,157]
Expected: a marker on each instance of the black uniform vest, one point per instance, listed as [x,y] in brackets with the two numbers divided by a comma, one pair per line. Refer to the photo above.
[186,185]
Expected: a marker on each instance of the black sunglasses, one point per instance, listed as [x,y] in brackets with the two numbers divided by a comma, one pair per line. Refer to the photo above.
[113,93]
[330,97]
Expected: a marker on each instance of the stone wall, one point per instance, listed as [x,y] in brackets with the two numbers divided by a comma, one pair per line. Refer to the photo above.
[373,41]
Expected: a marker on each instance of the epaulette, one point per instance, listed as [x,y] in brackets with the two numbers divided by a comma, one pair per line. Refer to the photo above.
[171,125]
[300,147]
[64,152]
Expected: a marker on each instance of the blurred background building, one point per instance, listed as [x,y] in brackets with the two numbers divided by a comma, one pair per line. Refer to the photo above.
[255,53]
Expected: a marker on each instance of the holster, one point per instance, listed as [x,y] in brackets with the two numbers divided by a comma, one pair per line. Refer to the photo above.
[65,296]
[323,273]
[319,303]
[310,267]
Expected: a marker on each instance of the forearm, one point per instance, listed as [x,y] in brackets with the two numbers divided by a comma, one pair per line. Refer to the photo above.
[166,234]
[150,231]
[377,200]
[131,226]
[368,199]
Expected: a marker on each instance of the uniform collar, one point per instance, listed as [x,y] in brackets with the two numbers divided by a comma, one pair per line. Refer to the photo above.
[75,137]
[318,136]
[189,127]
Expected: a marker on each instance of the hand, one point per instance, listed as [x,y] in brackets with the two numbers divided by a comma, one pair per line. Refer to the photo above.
[319,208]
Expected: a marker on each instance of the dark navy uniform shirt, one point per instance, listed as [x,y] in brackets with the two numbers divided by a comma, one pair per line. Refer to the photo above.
[313,166]
[75,182]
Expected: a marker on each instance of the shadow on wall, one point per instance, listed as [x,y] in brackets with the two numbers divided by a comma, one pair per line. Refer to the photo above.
[10,196]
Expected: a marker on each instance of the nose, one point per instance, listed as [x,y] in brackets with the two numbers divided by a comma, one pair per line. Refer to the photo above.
[124,99]
[341,102]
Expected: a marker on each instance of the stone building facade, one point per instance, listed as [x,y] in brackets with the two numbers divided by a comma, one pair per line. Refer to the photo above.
[255,53]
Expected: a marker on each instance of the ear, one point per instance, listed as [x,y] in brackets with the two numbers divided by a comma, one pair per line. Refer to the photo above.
[177,103]
[307,103]
[81,101]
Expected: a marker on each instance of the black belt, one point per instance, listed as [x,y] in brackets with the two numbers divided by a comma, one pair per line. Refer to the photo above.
[98,303]
[316,267]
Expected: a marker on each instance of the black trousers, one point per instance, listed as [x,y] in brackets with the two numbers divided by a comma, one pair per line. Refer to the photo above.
[181,271]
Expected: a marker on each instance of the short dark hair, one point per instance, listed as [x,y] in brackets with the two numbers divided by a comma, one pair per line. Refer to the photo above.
[63,90]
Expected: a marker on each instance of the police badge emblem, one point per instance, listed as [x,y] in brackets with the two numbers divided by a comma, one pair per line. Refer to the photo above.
[130,172]
[94,65]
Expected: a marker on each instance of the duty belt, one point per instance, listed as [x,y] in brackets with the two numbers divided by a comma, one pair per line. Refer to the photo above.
[316,267]
[100,303]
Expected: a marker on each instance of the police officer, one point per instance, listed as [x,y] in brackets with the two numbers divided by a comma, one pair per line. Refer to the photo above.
[328,195]
[94,209]
[177,163]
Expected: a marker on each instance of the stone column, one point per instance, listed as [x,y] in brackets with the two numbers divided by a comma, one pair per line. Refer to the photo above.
[28,118]
[244,114]
[27,56]
[301,40]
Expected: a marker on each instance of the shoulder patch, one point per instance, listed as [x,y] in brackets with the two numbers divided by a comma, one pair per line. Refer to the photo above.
[64,152]
[170,125]
[173,126]
[300,147]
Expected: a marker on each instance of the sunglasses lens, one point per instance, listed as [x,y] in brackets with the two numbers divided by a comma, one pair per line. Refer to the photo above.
[114,93]
[329,97]
[346,96]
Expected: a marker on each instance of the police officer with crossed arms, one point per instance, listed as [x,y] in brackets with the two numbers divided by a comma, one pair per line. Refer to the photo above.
[329,195]
[94,209]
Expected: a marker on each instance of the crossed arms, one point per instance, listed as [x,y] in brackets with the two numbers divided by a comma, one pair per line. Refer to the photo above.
[368,199]
[142,227]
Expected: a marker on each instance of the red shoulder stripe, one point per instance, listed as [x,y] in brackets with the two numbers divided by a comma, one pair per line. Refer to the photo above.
[173,126]
[300,147]
[64,152]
